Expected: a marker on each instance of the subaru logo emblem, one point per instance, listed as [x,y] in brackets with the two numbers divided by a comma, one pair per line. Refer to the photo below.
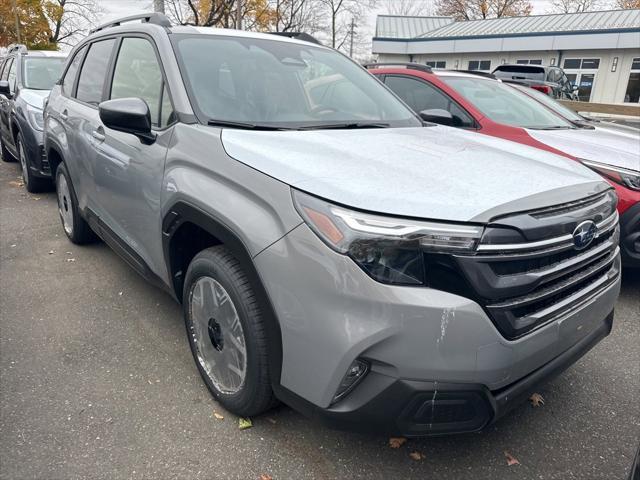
[584,234]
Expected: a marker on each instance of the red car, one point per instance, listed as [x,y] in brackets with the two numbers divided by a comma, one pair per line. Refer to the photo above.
[478,102]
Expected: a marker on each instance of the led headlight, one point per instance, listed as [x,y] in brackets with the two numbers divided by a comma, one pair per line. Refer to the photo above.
[390,249]
[624,176]
[36,118]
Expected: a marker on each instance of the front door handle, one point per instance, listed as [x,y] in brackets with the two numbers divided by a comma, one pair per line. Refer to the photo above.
[97,135]
[64,115]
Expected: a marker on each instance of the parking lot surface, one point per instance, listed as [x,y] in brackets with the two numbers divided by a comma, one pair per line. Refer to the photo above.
[97,381]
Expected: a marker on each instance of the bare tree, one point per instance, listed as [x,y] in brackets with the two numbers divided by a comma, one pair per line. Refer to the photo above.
[479,9]
[297,16]
[70,19]
[409,8]
[574,6]
[341,14]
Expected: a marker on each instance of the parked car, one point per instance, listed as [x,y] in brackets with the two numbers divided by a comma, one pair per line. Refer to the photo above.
[551,81]
[26,76]
[583,121]
[329,250]
[493,108]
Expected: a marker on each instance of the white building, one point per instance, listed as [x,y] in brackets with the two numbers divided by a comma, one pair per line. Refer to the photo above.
[600,51]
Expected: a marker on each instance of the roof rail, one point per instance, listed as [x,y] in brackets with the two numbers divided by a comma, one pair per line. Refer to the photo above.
[407,65]
[16,47]
[479,73]
[154,18]
[305,37]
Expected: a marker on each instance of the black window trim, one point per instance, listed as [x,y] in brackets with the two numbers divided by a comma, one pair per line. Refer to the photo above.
[476,124]
[82,51]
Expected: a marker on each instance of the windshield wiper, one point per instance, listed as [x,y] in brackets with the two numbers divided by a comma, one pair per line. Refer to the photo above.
[243,125]
[344,126]
[554,127]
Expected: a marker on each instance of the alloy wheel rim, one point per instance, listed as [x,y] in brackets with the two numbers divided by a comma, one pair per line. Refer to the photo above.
[217,335]
[64,204]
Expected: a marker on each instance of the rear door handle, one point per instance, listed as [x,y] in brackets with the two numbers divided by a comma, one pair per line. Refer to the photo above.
[97,135]
[64,115]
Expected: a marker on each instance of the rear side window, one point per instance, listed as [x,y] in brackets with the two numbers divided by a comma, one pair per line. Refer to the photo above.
[137,74]
[420,95]
[70,76]
[94,71]
[11,77]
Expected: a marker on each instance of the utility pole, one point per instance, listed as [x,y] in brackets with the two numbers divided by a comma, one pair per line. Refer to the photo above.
[15,14]
[352,33]
[239,15]
[158,6]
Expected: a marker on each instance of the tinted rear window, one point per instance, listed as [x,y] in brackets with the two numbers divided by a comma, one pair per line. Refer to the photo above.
[519,72]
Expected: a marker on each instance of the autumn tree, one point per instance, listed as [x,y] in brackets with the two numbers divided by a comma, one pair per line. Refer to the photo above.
[627,4]
[255,14]
[32,23]
[480,9]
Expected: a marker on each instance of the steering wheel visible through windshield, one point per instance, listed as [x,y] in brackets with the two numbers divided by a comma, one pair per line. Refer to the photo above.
[503,104]
[283,84]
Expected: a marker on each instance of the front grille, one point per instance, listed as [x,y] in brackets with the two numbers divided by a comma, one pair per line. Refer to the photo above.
[529,282]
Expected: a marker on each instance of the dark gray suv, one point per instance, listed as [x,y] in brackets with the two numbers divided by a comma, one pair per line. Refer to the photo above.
[26,76]
[329,249]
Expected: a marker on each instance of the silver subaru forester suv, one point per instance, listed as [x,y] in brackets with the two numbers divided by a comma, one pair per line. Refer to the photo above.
[330,250]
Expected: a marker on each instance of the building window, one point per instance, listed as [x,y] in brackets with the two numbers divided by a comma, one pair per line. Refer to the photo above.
[480,65]
[632,95]
[581,63]
[436,64]
[536,61]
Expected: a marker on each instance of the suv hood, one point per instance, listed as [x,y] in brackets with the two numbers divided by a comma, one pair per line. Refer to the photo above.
[604,145]
[35,98]
[434,172]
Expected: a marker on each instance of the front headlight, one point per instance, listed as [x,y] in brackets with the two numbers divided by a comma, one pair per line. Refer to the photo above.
[624,176]
[36,118]
[390,249]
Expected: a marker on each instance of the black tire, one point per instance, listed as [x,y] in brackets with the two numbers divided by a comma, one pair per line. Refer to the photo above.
[255,395]
[79,231]
[4,153]
[32,183]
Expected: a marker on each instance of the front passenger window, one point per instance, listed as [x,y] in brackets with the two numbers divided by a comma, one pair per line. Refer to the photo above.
[137,74]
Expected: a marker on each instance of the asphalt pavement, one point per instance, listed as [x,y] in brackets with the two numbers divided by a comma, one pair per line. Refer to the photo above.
[97,381]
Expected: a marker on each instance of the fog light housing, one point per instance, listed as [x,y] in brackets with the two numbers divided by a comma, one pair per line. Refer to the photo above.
[355,373]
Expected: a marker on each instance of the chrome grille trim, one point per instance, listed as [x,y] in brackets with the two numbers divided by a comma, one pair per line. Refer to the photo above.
[555,243]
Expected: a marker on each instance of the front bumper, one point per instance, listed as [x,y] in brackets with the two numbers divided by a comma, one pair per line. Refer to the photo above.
[426,347]
[630,236]
[419,408]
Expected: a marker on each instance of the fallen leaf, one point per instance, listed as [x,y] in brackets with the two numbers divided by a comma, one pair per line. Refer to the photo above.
[536,400]
[272,420]
[397,442]
[71,259]
[120,294]
[417,456]
[218,416]
[511,460]
[35,198]
[51,252]
[265,476]
[15,183]
[244,423]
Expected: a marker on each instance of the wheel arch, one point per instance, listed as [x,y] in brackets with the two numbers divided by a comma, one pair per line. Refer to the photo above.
[186,221]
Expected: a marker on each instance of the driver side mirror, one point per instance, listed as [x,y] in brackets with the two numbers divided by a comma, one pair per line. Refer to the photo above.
[437,115]
[5,89]
[129,115]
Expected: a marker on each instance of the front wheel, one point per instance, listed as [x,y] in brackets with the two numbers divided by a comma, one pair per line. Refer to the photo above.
[226,332]
[32,183]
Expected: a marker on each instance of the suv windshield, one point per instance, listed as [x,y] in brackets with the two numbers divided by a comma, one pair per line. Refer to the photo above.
[503,104]
[517,72]
[260,82]
[41,73]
